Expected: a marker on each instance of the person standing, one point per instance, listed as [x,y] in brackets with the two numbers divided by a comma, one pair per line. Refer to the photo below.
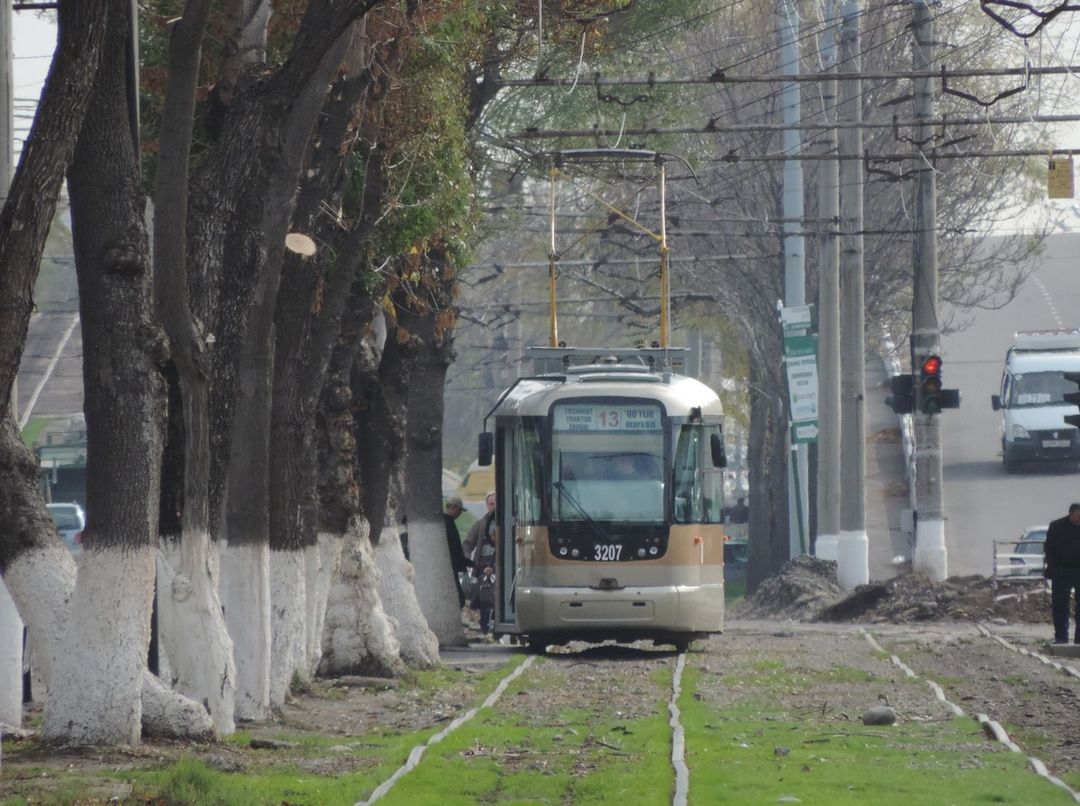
[482,528]
[1061,554]
[483,562]
[458,562]
[480,549]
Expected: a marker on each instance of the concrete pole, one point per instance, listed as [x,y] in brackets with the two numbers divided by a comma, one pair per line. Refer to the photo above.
[828,464]
[794,254]
[11,626]
[930,555]
[853,565]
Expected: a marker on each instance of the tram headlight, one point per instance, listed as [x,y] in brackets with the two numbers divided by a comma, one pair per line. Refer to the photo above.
[653,550]
[562,551]
[641,552]
[574,552]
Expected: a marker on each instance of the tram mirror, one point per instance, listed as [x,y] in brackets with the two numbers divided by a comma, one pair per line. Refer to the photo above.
[487,448]
[719,457]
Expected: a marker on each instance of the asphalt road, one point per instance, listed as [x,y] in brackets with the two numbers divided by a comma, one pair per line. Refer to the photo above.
[982,502]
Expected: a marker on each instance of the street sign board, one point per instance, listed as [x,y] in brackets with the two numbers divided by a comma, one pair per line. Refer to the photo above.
[800,363]
[804,432]
[797,318]
[803,387]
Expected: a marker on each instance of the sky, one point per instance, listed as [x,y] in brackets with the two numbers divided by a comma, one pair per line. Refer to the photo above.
[33,42]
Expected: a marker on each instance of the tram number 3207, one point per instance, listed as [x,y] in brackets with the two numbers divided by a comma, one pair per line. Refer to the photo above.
[607,552]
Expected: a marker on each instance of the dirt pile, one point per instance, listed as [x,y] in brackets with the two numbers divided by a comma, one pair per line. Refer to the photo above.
[797,591]
[915,598]
[805,589]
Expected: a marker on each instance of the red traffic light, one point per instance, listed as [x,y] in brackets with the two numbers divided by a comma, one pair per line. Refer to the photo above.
[931,365]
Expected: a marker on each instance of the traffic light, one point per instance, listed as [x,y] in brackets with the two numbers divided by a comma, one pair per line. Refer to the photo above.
[930,384]
[902,400]
[1072,397]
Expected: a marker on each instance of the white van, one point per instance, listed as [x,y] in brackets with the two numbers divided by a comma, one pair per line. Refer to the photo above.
[1033,409]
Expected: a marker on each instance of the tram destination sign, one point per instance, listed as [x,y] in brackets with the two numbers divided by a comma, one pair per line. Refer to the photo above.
[588,417]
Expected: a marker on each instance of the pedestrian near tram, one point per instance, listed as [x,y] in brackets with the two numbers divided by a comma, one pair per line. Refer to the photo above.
[1062,567]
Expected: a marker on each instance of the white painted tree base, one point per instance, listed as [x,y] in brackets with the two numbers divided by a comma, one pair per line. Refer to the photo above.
[167,714]
[41,582]
[11,662]
[435,588]
[245,595]
[95,695]
[321,562]
[419,646]
[358,637]
[288,595]
[192,628]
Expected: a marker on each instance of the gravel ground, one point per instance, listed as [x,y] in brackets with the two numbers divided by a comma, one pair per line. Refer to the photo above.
[1037,704]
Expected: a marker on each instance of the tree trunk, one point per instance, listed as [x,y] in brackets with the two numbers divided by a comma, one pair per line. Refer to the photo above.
[430,319]
[188,601]
[27,214]
[276,604]
[381,392]
[97,680]
[397,590]
[358,637]
[768,528]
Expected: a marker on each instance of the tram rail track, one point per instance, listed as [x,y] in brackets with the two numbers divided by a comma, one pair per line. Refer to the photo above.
[919,698]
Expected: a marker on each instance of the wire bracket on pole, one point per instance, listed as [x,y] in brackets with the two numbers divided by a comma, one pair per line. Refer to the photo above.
[947,90]
[1044,17]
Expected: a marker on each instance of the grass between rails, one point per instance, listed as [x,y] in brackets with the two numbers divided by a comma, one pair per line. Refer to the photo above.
[754,752]
[575,755]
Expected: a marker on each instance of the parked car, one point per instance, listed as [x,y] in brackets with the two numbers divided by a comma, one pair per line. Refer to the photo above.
[1025,556]
[70,521]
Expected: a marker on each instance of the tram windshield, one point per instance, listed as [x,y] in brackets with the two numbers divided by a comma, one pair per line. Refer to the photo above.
[607,462]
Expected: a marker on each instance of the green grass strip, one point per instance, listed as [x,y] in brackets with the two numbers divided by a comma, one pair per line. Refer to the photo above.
[754,752]
[581,755]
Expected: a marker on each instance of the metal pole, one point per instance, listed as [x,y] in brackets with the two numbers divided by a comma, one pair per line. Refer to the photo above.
[794,251]
[828,464]
[930,554]
[665,279]
[853,566]
[553,273]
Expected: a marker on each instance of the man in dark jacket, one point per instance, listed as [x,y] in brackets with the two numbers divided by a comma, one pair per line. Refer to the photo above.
[1062,554]
[458,562]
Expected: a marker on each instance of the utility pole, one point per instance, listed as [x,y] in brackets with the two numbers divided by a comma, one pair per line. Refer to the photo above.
[794,255]
[853,566]
[11,626]
[828,462]
[930,556]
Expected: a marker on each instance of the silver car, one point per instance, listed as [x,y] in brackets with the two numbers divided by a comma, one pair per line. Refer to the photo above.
[1026,555]
[70,521]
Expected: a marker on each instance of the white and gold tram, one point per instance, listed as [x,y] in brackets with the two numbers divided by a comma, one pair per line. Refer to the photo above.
[609,482]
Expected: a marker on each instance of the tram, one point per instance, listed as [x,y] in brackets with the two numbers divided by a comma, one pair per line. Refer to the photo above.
[609,482]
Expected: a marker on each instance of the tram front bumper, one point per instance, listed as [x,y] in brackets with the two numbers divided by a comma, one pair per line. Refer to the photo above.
[666,608]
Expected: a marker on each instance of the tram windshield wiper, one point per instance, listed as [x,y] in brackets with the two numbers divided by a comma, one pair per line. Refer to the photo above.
[566,495]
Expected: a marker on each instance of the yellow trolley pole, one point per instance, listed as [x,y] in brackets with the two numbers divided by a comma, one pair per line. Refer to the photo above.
[553,272]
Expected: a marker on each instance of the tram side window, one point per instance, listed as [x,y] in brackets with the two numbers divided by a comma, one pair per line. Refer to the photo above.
[698,486]
[527,474]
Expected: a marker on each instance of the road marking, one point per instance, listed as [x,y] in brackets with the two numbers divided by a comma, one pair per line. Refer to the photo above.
[1049,300]
[25,417]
